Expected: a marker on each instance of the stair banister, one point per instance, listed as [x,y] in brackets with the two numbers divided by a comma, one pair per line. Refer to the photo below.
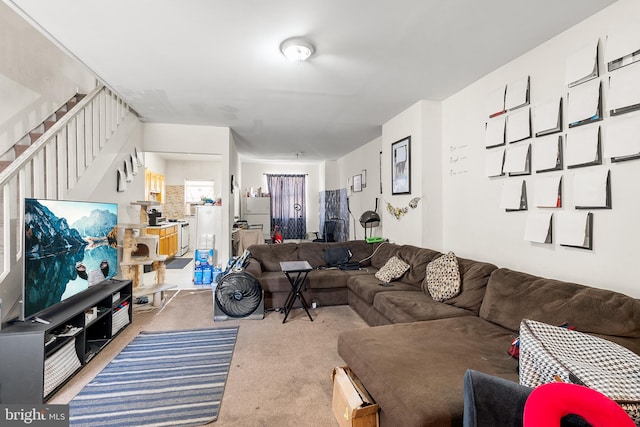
[53,163]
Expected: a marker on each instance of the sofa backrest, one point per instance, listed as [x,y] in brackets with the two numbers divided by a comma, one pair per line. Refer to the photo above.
[417,258]
[382,252]
[270,256]
[314,252]
[474,276]
[512,296]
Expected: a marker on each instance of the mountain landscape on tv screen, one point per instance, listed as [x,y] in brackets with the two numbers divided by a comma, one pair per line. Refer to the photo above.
[63,259]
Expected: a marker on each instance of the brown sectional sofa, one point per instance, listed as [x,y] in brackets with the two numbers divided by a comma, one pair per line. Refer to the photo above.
[414,359]
[327,286]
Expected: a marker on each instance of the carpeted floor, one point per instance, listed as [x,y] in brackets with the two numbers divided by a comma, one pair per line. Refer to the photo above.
[280,373]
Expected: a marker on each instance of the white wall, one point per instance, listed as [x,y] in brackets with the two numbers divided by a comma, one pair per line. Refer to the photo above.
[431,169]
[331,176]
[172,138]
[475,226]
[35,77]
[99,182]
[253,175]
[155,163]
[176,171]
[420,122]
[366,157]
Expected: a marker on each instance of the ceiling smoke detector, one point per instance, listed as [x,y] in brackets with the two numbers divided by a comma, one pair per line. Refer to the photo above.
[297,49]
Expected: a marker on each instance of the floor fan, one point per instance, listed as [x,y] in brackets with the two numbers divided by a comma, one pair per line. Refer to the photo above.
[238,295]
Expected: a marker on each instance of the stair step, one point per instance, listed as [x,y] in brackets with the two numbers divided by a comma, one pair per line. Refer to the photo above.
[60,114]
[34,136]
[4,164]
[48,124]
[19,149]
[71,103]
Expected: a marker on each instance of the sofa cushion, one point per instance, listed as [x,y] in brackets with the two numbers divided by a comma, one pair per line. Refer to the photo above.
[274,281]
[366,286]
[383,252]
[512,296]
[414,306]
[313,253]
[326,279]
[270,256]
[393,269]
[337,255]
[360,251]
[474,276]
[442,279]
[418,259]
[414,370]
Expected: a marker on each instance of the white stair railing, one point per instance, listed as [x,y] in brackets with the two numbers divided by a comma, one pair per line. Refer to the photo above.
[52,164]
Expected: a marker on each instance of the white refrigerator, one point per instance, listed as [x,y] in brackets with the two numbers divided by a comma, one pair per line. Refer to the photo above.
[208,222]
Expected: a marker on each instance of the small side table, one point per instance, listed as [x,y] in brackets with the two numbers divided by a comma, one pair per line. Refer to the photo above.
[296,272]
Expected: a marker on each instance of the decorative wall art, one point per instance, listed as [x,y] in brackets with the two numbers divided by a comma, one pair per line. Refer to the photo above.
[558,142]
[357,183]
[401,166]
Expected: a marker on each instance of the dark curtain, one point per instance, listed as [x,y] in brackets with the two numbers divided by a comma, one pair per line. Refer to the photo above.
[288,211]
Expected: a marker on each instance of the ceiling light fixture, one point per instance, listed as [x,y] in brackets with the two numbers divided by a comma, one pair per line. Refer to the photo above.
[297,49]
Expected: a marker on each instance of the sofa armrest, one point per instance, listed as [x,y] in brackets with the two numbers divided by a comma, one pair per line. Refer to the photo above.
[254,267]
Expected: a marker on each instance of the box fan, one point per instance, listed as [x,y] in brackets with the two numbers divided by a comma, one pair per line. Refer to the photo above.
[238,294]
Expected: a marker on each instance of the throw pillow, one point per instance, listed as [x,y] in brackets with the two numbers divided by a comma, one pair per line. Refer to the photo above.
[442,280]
[392,269]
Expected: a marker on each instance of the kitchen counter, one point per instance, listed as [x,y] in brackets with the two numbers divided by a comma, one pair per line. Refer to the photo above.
[166,224]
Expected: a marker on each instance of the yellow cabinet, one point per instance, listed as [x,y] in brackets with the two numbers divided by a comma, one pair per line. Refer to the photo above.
[168,239]
[154,186]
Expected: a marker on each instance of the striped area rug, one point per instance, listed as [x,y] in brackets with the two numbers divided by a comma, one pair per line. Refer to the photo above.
[173,378]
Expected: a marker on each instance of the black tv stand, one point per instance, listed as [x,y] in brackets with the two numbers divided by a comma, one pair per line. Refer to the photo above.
[40,320]
[38,357]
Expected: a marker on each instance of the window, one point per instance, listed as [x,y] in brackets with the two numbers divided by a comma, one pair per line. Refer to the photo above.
[288,212]
[198,190]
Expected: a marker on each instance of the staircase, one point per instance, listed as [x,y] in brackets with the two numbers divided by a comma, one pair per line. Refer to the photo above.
[50,159]
[32,136]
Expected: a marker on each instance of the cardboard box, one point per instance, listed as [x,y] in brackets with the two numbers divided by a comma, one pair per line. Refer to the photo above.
[352,404]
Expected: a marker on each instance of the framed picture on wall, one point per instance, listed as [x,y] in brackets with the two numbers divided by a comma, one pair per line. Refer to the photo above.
[401,166]
[357,183]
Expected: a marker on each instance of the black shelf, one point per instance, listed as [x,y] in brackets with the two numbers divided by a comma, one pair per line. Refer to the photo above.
[26,346]
[93,347]
[55,345]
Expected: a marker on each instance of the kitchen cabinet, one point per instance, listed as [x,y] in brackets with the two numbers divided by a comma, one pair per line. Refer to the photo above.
[154,186]
[168,238]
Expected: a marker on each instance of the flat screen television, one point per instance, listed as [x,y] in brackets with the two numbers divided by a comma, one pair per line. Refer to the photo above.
[69,246]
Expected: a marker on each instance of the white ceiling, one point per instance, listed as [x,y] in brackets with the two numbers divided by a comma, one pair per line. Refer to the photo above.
[216,62]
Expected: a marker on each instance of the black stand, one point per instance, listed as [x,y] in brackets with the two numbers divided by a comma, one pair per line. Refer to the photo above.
[302,269]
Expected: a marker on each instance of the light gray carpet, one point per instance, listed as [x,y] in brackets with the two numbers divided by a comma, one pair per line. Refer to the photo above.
[280,373]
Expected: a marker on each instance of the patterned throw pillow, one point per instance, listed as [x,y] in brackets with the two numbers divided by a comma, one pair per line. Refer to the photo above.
[393,269]
[442,280]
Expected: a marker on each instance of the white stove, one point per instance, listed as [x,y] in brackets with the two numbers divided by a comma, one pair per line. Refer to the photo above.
[183,237]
